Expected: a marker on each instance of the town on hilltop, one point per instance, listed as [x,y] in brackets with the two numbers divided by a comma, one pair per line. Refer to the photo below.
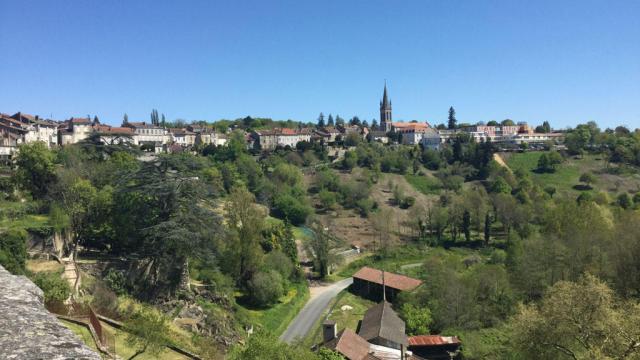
[158,137]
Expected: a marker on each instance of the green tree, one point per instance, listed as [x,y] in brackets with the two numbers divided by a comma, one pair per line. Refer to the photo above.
[466,225]
[588,178]
[263,345]
[624,201]
[13,250]
[487,229]
[265,288]
[581,320]
[507,122]
[417,319]
[321,120]
[36,171]
[54,287]
[147,333]
[451,123]
[245,222]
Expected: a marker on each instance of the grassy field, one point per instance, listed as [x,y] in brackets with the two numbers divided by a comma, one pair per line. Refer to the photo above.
[427,185]
[567,175]
[44,266]
[276,319]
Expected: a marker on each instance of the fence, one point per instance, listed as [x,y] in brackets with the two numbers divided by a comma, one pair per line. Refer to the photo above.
[84,315]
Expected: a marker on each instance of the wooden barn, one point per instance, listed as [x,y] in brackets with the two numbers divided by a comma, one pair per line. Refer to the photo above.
[368,283]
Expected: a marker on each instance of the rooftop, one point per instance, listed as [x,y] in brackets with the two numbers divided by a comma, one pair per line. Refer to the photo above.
[392,280]
[349,344]
[380,321]
[433,340]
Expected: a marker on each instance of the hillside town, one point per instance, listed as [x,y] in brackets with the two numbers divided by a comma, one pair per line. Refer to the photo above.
[22,128]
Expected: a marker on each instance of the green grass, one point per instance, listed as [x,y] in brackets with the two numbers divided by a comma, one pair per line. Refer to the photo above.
[427,185]
[565,177]
[276,318]
[25,222]
[347,319]
[124,350]
[82,332]
[393,261]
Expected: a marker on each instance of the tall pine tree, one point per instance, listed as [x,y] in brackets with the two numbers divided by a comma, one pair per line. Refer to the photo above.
[452,118]
[321,120]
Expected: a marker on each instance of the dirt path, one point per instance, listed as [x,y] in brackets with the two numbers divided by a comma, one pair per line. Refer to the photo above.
[500,161]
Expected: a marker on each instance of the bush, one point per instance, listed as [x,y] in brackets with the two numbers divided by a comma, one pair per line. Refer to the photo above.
[624,201]
[55,288]
[116,281]
[265,288]
[291,208]
[407,202]
[498,256]
[13,251]
[278,261]
[328,199]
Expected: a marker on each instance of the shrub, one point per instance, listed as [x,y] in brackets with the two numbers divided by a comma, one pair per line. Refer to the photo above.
[116,281]
[55,288]
[291,208]
[624,201]
[13,251]
[278,261]
[407,202]
[265,287]
[328,199]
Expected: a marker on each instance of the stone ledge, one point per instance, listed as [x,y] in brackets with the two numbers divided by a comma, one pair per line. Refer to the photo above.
[28,330]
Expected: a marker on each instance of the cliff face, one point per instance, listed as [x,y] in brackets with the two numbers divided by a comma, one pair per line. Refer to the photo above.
[28,330]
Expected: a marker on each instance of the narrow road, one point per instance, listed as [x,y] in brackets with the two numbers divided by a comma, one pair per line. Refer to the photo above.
[313,310]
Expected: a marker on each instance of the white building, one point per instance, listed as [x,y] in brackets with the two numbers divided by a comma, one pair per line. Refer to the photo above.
[149,135]
[76,130]
[431,139]
[270,139]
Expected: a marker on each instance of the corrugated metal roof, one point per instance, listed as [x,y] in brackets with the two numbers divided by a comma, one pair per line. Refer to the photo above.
[433,340]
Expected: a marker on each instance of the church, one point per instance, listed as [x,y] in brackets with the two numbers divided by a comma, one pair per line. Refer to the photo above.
[412,132]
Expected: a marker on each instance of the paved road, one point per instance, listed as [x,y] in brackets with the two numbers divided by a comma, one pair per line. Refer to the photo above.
[312,311]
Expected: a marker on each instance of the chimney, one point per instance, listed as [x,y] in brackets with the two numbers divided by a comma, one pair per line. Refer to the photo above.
[384,288]
[402,354]
[329,330]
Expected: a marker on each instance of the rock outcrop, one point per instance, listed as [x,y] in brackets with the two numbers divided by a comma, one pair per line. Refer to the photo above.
[28,330]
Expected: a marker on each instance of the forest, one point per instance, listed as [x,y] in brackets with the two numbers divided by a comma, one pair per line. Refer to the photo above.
[532,258]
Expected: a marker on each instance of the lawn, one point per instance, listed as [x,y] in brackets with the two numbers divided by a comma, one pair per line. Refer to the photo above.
[354,309]
[276,318]
[427,185]
[565,177]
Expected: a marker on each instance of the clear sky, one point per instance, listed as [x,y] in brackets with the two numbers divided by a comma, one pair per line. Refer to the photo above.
[557,60]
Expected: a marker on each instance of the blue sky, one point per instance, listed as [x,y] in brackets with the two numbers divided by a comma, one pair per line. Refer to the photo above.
[562,61]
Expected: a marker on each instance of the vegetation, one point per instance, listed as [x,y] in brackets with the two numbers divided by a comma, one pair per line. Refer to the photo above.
[507,252]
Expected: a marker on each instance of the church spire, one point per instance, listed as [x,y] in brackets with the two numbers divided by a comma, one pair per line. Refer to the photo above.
[385,111]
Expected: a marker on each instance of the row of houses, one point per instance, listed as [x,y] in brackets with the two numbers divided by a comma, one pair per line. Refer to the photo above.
[21,128]
[381,334]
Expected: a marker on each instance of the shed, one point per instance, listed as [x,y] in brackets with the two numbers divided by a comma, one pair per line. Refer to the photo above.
[367,282]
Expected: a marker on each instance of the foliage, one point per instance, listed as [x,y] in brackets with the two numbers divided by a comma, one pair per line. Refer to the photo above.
[55,288]
[265,287]
[417,319]
[36,170]
[13,250]
[147,332]
[581,320]
[263,345]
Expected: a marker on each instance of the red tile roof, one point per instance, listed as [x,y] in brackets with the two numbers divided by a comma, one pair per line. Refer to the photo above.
[433,340]
[113,130]
[392,280]
[80,120]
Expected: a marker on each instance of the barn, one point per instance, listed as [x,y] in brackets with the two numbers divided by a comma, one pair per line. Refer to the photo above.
[368,283]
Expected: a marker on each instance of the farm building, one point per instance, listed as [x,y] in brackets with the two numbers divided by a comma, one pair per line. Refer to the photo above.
[368,283]
[435,347]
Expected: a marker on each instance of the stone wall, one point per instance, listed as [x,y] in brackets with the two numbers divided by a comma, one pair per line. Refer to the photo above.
[28,330]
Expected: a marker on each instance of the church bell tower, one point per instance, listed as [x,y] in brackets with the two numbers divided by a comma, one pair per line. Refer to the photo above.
[385,111]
